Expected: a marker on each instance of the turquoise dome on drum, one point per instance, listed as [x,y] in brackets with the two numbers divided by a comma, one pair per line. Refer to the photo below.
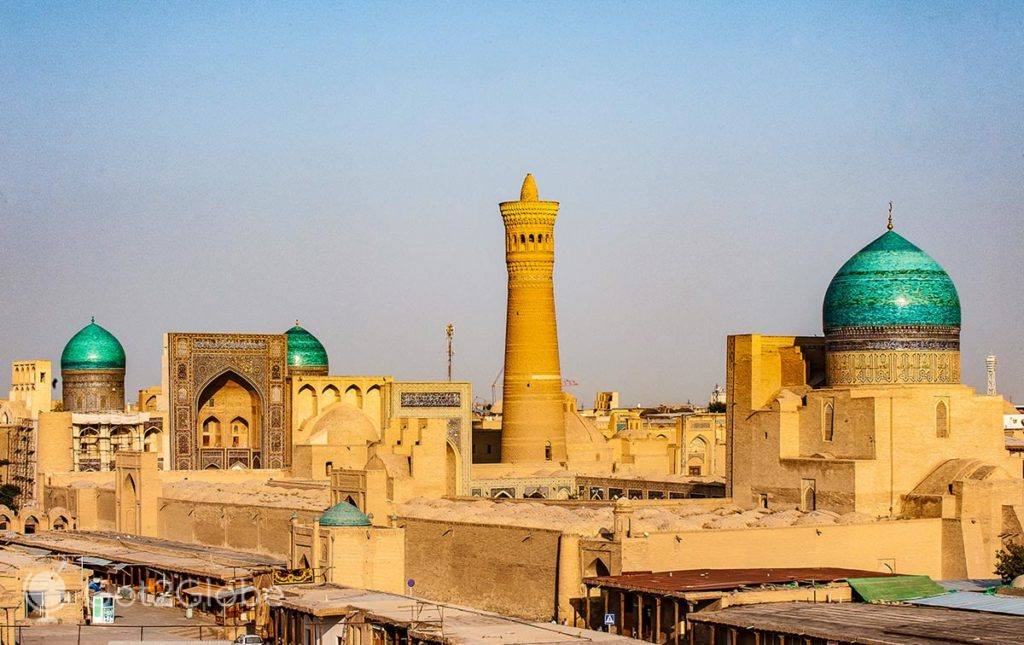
[891,282]
[92,348]
[344,514]
[304,349]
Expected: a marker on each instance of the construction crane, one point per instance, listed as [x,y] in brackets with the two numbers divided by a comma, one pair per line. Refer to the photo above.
[494,386]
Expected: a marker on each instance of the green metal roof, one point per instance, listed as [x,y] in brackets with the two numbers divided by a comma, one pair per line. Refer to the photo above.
[891,282]
[304,350]
[92,348]
[344,514]
[895,588]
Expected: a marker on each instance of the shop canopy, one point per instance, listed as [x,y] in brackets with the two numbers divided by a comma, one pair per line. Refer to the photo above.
[218,592]
[895,588]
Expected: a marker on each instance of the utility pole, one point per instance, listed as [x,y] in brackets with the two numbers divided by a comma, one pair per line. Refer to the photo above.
[449,332]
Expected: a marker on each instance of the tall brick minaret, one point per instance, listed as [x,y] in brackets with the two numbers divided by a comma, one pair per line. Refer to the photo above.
[533,426]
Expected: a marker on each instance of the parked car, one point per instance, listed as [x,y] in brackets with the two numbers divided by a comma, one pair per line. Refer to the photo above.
[248,639]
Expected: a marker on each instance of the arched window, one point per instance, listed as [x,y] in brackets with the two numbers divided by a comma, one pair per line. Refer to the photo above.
[597,567]
[354,396]
[531,238]
[941,419]
[329,396]
[239,433]
[121,439]
[211,433]
[522,239]
[829,422]
[151,442]
[547,451]
[89,442]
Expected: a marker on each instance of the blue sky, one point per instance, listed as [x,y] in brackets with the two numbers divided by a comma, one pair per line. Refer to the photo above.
[232,167]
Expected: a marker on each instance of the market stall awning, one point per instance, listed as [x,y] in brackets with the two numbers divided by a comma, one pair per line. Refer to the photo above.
[895,588]
[218,592]
[92,561]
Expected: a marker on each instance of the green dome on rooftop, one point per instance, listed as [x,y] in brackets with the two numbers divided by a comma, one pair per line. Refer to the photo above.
[304,350]
[344,514]
[890,282]
[92,348]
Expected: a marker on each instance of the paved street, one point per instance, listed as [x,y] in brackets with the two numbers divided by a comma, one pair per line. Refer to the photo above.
[132,624]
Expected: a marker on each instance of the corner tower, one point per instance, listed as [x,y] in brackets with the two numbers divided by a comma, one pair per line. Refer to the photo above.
[533,424]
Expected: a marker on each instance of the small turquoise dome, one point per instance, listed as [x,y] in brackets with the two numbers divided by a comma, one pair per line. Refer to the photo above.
[891,282]
[92,348]
[344,514]
[304,350]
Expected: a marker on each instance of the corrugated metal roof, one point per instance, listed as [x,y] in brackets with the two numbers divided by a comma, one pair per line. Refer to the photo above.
[858,622]
[970,584]
[668,582]
[895,589]
[974,601]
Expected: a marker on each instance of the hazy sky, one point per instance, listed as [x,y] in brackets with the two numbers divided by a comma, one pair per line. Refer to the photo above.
[232,167]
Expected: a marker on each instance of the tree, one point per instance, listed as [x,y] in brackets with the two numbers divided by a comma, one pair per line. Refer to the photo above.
[1010,562]
[716,406]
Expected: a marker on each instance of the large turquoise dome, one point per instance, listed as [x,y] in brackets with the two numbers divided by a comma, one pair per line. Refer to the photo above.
[891,282]
[344,514]
[92,348]
[304,350]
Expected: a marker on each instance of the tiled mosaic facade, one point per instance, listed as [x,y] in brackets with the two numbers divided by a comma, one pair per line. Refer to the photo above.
[886,368]
[194,361]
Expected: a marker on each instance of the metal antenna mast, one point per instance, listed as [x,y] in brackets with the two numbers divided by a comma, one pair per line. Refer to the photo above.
[449,332]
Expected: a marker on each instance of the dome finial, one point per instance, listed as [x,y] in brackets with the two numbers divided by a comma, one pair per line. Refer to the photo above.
[889,225]
[529,190]
[92,319]
[296,322]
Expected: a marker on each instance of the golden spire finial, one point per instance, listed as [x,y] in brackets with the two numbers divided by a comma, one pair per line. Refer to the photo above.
[296,322]
[889,225]
[529,191]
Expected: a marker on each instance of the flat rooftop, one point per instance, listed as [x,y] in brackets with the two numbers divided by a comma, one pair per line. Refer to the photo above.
[855,622]
[589,520]
[428,620]
[678,583]
[166,555]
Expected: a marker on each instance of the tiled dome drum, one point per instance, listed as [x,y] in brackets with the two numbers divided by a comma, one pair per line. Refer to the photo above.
[892,315]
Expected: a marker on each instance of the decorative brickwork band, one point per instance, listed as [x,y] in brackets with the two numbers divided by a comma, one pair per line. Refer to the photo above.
[892,367]
[893,337]
[431,399]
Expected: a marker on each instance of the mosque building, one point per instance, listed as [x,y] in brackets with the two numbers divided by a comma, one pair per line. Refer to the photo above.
[859,419]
